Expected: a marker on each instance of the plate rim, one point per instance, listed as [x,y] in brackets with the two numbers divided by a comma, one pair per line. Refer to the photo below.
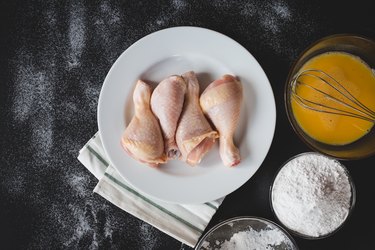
[198,29]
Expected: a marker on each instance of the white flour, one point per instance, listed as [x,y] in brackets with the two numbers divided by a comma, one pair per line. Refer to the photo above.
[312,194]
[76,34]
[265,239]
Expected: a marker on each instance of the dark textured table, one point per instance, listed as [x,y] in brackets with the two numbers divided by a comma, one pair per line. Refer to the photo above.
[54,58]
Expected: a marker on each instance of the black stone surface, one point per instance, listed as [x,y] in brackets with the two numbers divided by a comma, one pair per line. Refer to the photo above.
[54,56]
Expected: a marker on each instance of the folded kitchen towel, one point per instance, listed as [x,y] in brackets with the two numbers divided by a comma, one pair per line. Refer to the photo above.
[185,223]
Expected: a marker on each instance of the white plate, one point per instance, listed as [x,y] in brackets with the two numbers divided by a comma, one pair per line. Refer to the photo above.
[210,55]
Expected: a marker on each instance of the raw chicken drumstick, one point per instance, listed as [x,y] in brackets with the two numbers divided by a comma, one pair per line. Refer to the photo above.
[221,102]
[142,139]
[194,135]
[166,103]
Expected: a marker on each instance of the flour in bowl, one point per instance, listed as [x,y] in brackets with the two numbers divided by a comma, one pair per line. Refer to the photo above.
[312,195]
[265,239]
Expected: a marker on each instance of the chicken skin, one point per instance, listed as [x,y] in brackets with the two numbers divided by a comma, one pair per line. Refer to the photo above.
[221,102]
[194,135]
[166,103]
[142,139]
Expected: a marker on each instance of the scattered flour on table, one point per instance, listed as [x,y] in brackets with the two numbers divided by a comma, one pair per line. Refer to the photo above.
[14,184]
[82,225]
[91,94]
[42,136]
[275,17]
[312,195]
[179,4]
[149,236]
[29,86]
[277,24]
[76,33]
[79,184]
[113,14]
[282,10]
[33,98]
[69,110]
[51,169]
[108,30]
[280,26]
[90,221]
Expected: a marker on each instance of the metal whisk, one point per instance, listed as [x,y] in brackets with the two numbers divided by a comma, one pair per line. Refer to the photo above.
[350,106]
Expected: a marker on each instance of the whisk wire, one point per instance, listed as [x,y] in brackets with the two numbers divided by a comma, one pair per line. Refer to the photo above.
[350,96]
[331,97]
[335,111]
[358,109]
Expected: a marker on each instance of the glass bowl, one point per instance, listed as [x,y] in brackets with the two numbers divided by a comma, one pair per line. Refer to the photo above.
[352,200]
[221,234]
[352,44]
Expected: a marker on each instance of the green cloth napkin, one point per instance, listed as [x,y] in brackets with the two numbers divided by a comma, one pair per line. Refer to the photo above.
[183,222]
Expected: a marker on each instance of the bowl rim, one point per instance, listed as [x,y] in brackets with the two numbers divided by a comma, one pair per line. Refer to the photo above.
[353,197]
[238,218]
[286,85]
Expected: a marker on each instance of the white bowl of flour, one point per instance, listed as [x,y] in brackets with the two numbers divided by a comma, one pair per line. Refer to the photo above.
[312,195]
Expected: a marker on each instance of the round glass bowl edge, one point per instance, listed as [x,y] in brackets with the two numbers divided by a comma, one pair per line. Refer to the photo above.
[352,203]
[239,218]
[336,151]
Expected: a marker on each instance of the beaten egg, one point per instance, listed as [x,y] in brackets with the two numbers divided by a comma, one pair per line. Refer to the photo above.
[357,77]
